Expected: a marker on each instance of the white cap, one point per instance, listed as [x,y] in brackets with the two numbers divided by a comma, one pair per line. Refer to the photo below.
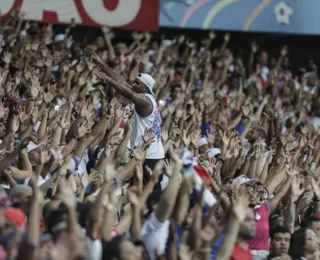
[32,146]
[202,141]
[59,37]
[151,52]
[242,179]
[213,152]
[166,43]
[147,80]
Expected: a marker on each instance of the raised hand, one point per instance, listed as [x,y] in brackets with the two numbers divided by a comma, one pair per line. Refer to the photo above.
[296,189]
[61,116]
[227,37]
[3,75]
[240,204]
[194,138]
[8,87]
[284,51]
[23,116]
[86,109]
[176,132]
[93,176]
[3,109]
[185,138]
[34,117]
[103,77]
[133,198]
[139,154]
[34,88]
[48,62]
[65,194]
[315,186]
[212,35]
[50,94]
[96,59]
[35,45]
[225,138]
[245,110]
[45,156]
[254,47]
[83,129]
[148,136]
[7,58]
[156,172]
[292,171]
[164,135]
[175,156]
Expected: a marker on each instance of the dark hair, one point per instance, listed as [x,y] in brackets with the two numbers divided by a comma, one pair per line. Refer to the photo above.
[297,242]
[56,221]
[311,220]
[111,249]
[174,86]
[273,255]
[279,229]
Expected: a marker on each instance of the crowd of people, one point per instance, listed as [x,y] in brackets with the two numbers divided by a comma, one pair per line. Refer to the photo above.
[157,150]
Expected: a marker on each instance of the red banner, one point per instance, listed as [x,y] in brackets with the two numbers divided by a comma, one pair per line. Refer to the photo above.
[128,14]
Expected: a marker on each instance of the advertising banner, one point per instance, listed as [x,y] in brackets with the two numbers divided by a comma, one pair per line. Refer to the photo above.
[281,16]
[129,14]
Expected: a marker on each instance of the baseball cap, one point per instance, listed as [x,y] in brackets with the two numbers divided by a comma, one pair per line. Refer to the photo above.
[59,37]
[20,190]
[15,216]
[147,80]
[213,152]
[242,179]
[202,141]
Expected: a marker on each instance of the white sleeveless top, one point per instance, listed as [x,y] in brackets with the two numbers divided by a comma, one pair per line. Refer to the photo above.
[141,124]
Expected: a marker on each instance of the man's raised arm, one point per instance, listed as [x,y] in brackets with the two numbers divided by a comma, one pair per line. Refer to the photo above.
[106,69]
[142,103]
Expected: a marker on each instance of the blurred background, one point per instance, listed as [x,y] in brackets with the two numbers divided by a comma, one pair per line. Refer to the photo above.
[270,23]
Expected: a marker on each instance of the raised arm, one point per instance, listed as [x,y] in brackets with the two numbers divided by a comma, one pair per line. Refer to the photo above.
[142,103]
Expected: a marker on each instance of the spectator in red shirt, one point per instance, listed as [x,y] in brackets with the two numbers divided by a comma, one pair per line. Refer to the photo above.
[236,238]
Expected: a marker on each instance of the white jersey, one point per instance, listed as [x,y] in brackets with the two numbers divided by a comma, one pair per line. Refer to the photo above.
[141,124]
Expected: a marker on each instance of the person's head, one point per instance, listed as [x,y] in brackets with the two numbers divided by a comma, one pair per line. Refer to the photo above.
[263,58]
[314,225]
[121,248]
[20,195]
[248,227]
[255,134]
[175,91]
[57,221]
[285,63]
[303,241]
[280,240]
[227,186]
[273,62]
[251,190]
[262,193]
[15,216]
[143,84]
[275,220]
[99,42]
[310,64]
[203,145]
[120,49]
[179,67]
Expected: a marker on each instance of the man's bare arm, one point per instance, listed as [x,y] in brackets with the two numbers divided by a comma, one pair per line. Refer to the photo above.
[106,69]
[142,103]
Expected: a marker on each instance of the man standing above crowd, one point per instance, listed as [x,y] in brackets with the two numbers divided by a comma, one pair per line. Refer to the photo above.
[145,115]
